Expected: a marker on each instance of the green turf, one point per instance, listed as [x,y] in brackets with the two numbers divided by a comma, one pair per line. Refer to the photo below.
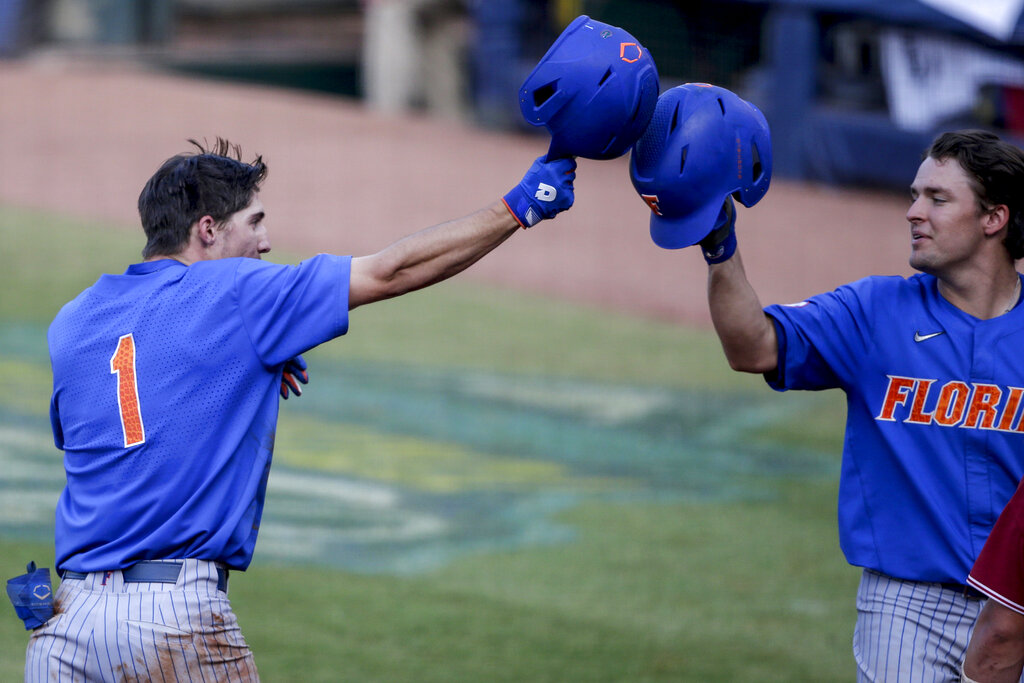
[734,592]
[648,586]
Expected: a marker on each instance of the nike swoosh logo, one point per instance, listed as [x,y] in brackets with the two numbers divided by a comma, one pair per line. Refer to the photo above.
[918,337]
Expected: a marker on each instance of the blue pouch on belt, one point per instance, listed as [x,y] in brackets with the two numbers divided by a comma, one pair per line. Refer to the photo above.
[32,596]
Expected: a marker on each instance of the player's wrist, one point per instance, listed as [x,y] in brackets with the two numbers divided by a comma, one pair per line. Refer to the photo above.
[720,244]
[720,251]
[520,208]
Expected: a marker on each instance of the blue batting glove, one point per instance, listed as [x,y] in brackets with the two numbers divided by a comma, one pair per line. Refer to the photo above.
[544,191]
[32,596]
[720,244]
[294,372]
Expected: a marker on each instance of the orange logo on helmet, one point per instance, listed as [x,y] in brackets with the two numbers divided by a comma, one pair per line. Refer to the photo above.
[632,49]
[652,201]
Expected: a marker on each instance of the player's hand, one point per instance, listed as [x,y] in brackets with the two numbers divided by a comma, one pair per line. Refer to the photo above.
[294,373]
[544,191]
[720,244]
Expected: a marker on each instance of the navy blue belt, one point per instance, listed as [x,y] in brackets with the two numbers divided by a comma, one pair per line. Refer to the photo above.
[148,571]
[966,591]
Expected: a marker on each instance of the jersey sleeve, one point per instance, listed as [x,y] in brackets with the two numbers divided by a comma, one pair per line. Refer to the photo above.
[288,310]
[999,570]
[823,339]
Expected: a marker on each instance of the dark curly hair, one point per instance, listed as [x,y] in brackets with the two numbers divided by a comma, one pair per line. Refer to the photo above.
[212,181]
[996,170]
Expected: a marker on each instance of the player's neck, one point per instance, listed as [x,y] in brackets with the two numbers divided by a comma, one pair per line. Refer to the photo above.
[176,257]
[983,297]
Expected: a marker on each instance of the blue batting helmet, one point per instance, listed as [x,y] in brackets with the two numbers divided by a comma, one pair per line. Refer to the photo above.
[595,90]
[703,144]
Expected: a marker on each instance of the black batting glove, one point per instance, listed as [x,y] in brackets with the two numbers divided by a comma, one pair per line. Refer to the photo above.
[720,244]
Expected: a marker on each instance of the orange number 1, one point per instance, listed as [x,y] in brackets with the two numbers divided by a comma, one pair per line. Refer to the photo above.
[122,363]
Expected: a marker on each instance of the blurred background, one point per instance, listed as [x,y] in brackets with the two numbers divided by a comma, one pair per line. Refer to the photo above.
[854,89]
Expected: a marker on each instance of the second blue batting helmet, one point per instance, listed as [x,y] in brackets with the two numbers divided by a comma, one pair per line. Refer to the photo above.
[595,90]
[703,144]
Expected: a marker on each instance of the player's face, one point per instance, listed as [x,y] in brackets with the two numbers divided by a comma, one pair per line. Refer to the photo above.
[946,228]
[244,233]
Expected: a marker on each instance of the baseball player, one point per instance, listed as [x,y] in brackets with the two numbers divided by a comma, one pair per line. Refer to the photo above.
[165,403]
[929,365]
[996,651]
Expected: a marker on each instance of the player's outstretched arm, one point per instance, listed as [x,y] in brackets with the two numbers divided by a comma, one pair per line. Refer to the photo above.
[996,651]
[747,334]
[439,252]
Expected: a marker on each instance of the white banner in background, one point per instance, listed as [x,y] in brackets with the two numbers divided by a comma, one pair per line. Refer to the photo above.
[929,78]
[998,18]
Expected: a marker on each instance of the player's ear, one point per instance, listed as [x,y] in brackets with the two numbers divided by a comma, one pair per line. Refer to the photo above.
[996,218]
[206,230]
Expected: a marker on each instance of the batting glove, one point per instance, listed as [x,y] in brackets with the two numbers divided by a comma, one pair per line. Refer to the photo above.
[32,596]
[294,372]
[720,244]
[544,191]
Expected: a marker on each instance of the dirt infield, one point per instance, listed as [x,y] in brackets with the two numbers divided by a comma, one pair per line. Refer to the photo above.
[82,138]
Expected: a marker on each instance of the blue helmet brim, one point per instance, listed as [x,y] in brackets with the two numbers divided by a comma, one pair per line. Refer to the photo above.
[684,231]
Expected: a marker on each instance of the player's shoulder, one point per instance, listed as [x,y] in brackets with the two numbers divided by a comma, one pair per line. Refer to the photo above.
[257,270]
[887,287]
[83,300]
[235,264]
[227,272]
[871,295]
[213,267]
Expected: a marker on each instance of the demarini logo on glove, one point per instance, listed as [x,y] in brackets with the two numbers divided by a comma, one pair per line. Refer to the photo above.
[545,192]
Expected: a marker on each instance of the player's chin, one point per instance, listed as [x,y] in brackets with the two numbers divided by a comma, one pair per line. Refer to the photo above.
[921,261]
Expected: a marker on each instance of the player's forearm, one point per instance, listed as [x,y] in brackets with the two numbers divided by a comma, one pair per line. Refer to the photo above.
[994,666]
[996,651]
[430,255]
[747,334]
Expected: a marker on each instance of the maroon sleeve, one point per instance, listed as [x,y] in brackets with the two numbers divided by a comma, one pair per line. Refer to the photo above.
[999,570]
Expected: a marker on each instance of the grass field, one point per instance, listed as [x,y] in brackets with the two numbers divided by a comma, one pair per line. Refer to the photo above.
[606,500]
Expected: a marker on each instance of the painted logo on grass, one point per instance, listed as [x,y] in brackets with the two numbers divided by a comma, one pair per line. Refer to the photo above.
[399,469]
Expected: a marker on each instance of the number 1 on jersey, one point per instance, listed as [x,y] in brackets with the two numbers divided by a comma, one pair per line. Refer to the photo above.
[122,364]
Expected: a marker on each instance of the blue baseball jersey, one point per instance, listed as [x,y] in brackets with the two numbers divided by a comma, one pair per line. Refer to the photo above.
[934,444]
[165,399]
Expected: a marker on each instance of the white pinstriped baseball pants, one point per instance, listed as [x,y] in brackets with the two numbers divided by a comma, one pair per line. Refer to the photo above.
[911,631]
[107,630]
